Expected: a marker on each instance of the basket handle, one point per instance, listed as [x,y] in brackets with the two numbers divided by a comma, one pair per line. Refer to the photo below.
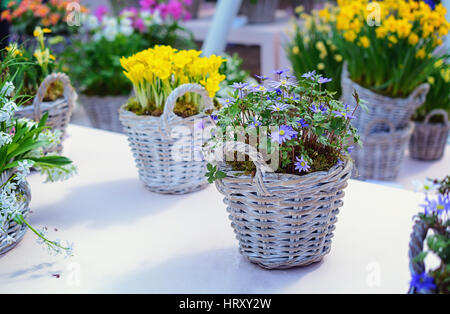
[437,112]
[69,93]
[418,96]
[172,100]
[372,123]
[256,157]
[420,230]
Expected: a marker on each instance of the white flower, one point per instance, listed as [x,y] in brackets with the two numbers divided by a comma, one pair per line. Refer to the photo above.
[5,139]
[126,27]
[97,37]
[109,22]
[23,169]
[91,22]
[428,186]
[59,174]
[7,89]
[52,138]
[110,33]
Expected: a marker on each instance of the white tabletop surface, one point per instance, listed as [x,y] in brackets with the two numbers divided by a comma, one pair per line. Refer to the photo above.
[130,240]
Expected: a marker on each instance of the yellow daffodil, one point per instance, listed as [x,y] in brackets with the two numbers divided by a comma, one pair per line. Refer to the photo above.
[431,80]
[364,42]
[320,66]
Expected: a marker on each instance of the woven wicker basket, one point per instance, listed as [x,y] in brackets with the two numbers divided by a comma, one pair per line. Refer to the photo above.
[59,111]
[398,111]
[14,230]
[155,141]
[429,140]
[420,230]
[263,11]
[282,220]
[382,153]
[103,111]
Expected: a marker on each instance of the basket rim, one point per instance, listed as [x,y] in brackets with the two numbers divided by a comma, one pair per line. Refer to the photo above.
[388,136]
[132,116]
[45,105]
[291,178]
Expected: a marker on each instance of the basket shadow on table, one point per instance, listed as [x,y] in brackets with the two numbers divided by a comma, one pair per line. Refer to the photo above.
[104,204]
[216,271]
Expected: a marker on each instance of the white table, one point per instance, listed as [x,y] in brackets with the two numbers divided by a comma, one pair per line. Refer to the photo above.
[270,37]
[130,240]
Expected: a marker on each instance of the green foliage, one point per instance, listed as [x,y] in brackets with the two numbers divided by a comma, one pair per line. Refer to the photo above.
[213,174]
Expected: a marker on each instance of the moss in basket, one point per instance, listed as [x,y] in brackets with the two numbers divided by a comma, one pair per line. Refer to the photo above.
[305,125]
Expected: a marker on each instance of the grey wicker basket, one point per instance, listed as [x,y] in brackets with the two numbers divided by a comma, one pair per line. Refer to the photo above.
[382,153]
[420,230]
[166,153]
[429,140]
[263,11]
[59,111]
[398,111]
[102,111]
[282,220]
[13,229]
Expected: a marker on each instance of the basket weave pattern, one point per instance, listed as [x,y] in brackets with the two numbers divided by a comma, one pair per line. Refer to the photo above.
[263,11]
[382,153]
[398,111]
[429,140]
[59,111]
[420,230]
[14,230]
[282,220]
[103,111]
[154,141]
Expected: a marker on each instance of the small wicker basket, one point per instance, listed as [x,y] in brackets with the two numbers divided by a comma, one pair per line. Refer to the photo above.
[429,140]
[397,111]
[102,111]
[59,111]
[13,229]
[282,220]
[382,153]
[156,141]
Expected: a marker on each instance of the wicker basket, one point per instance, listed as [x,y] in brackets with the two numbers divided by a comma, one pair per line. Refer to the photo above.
[14,230]
[103,111]
[420,230]
[59,111]
[154,142]
[282,220]
[194,8]
[382,153]
[263,11]
[398,111]
[429,140]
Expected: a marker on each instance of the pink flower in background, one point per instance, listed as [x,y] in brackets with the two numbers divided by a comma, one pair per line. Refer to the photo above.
[139,25]
[100,12]
[132,11]
[188,2]
[147,4]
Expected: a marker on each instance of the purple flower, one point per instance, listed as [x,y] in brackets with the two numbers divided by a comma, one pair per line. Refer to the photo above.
[200,125]
[259,89]
[281,71]
[314,109]
[422,282]
[350,149]
[323,80]
[438,206]
[343,114]
[278,107]
[283,82]
[303,123]
[301,165]
[285,133]
[430,3]
[214,117]
[262,77]
[254,124]
[340,162]
[226,102]
[240,85]
[323,109]
[309,75]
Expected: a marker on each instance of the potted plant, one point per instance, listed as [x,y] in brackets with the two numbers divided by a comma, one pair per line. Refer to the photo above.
[431,227]
[312,49]
[36,73]
[259,11]
[22,146]
[429,138]
[283,214]
[94,62]
[389,57]
[172,88]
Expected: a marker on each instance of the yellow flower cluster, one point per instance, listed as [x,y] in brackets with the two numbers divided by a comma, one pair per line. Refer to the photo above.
[157,71]
[399,19]
[42,54]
